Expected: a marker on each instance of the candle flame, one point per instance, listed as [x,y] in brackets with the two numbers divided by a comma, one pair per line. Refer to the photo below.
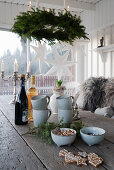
[2,66]
[47,10]
[68,8]
[15,61]
[29,62]
[30,4]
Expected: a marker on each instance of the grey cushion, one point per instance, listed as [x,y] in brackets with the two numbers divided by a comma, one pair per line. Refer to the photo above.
[105,111]
[112,117]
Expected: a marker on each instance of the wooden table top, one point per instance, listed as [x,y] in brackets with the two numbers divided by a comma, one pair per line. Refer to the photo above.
[26,152]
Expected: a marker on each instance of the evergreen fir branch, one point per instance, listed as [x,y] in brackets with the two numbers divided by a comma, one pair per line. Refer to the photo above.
[44,130]
[40,24]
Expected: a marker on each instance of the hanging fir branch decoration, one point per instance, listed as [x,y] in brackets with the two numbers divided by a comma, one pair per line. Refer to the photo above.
[43,24]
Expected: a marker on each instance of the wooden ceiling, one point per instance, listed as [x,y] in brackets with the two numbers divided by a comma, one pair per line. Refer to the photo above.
[89,1]
[75,5]
[26,1]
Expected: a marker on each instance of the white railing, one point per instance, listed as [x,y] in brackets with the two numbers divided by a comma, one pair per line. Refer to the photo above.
[44,85]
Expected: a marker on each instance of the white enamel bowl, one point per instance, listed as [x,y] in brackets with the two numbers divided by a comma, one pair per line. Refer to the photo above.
[92,139]
[63,140]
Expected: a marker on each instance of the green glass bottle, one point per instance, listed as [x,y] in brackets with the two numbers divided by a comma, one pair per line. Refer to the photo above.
[21,105]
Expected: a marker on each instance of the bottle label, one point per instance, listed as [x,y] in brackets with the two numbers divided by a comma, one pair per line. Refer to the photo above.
[25,116]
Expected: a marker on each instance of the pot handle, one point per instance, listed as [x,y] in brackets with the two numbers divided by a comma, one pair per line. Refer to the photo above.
[49,113]
[72,99]
[48,99]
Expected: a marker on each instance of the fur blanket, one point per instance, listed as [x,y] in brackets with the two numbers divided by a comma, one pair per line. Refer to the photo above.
[109,90]
[96,92]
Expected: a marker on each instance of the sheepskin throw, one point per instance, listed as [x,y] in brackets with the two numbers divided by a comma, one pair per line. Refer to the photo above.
[109,90]
[97,92]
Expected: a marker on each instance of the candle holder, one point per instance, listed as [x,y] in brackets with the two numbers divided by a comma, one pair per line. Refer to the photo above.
[27,79]
[27,75]
[15,78]
[75,112]
[2,74]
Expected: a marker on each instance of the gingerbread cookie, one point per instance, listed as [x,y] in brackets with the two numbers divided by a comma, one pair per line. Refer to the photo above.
[70,158]
[95,162]
[83,154]
[63,152]
[81,161]
[92,156]
[94,159]
[101,159]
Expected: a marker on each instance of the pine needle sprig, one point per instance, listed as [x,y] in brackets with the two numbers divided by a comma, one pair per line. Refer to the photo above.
[44,130]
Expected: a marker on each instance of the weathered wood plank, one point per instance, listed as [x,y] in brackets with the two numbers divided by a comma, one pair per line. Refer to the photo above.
[48,154]
[14,153]
[8,110]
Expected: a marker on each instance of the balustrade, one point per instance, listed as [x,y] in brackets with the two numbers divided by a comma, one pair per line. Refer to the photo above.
[44,85]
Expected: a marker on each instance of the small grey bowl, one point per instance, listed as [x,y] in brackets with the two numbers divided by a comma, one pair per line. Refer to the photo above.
[92,139]
[63,140]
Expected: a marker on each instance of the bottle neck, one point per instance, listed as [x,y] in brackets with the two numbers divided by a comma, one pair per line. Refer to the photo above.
[32,85]
[22,83]
[33,81]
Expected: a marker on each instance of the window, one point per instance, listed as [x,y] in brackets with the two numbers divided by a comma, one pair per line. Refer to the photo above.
[13,47]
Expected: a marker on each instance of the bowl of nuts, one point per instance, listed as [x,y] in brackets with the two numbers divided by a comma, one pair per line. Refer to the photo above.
[63,136]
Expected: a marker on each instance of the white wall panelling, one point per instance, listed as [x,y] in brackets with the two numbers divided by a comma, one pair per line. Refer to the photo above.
[98,66]
[100,23]
[102,17]
[86,62]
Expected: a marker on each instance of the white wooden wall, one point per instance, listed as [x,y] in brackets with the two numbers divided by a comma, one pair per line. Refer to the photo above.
[100,23]
[96,67]
[102,17]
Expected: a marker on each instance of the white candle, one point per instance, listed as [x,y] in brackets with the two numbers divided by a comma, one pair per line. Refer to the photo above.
[2,66]
[30,5]
[28,67]
[15,66]
[38,3]
[68,8]
[47,10]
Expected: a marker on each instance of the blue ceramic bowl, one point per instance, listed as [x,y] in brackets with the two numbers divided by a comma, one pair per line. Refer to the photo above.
[63,140]
[86,135]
